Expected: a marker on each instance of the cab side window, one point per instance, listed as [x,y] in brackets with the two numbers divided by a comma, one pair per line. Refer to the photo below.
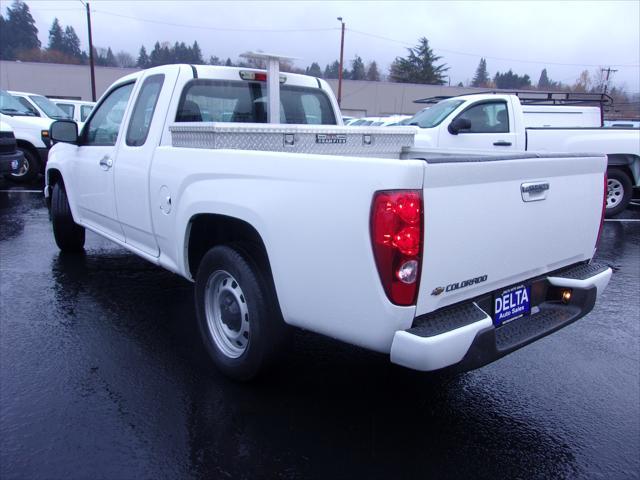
[104,125]
[143,110]
[85,110]
[487,117]
[66,108]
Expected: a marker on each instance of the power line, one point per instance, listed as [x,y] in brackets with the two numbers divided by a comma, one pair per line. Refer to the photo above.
[367,34]
[359,32]
[219,29]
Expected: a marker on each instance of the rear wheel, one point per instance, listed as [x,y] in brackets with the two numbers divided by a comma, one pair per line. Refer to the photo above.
[238,316]
[68,234]
[30,167]
[619,190]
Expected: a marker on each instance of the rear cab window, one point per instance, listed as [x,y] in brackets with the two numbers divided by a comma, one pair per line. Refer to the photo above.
[143,110]
[205,100]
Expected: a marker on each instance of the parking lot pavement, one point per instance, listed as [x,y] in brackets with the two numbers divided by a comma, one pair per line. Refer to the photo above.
[102,376]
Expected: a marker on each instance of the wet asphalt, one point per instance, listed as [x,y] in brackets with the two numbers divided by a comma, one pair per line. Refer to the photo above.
[102,375]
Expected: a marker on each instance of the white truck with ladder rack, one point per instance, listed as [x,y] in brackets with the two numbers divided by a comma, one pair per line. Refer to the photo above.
[489,122]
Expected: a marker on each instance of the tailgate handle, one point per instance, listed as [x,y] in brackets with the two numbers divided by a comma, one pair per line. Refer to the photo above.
[502,143]
[534,191]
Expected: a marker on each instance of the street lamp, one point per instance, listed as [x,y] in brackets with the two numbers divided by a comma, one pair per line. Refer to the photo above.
[341,60]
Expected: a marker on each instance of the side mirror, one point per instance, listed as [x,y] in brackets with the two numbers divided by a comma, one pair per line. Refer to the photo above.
[64,131]
[459,124]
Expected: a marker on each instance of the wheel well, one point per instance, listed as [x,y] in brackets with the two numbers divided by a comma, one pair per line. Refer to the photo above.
[208,230]
[53,176]
[624,167]
[27,146]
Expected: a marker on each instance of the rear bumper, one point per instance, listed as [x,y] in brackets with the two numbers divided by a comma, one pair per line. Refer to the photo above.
[463,337]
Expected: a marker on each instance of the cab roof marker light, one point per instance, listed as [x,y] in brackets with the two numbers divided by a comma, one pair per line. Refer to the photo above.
[258,76]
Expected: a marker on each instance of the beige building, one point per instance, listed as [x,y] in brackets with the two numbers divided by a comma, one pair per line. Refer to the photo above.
[359,98]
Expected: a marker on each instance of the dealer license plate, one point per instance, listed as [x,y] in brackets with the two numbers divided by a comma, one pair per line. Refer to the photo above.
[515,302]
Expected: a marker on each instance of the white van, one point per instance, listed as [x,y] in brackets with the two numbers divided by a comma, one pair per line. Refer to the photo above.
[78,110]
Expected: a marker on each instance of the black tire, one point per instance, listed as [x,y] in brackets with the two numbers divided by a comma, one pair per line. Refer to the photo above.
[30,170]
[619,191]
[266,330]
[68,234]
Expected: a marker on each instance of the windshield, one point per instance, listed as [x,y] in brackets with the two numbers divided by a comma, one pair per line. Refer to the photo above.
[430,117]
[50,109]
[11,106]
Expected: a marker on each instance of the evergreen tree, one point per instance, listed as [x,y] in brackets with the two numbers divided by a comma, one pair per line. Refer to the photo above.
[110,59]
[196,54]
[419,66]
[373,74]
[314,70]
[143,58]
[178,54]
[4,41]
[332,70]
[18,31]
[481,78]
[155,56]
[213,60]
[545,83]
[166,54]
[228,63]
[56,37]
[98,56]
[71,43]
[511,80]
[358,71]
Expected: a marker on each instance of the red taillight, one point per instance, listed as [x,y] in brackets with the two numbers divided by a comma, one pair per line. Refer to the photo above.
[604,208]
[396,234]
[257,76]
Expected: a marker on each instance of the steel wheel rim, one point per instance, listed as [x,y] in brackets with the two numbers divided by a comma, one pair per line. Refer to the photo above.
[615,192]
[227,314]
[23,169]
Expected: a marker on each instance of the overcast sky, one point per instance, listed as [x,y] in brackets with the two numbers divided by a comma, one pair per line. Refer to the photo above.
[564,37]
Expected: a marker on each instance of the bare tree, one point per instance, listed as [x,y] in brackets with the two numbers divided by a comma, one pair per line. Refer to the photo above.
[125,60]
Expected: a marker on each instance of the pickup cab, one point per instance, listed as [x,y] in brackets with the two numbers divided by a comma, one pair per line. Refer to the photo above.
[284,217]
[493,122]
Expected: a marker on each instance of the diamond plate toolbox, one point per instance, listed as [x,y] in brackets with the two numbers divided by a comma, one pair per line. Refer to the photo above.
[385,142]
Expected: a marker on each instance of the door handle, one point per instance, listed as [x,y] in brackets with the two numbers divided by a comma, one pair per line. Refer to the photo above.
[502,143]
[106,163]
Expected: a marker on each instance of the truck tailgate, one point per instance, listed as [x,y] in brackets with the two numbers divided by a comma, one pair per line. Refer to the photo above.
[493,222]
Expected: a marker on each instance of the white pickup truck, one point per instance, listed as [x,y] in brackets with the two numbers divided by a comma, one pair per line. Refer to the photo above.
[31,134]
[438,261]
[493,122]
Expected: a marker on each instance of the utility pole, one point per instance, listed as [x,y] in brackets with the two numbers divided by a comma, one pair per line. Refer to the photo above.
[93,72]
[609,71]
[341,62]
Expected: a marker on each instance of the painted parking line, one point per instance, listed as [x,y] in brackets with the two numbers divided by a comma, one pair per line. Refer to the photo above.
[20,191]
